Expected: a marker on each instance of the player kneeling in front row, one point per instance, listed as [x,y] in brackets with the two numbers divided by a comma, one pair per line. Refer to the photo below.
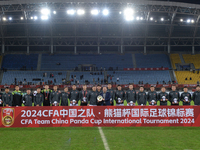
[38,98]
[163,97]
[131,96]
[92,97]
[141,97]
[152,96]
[55,96]
[7,98]
[119,96]
[74,96]
[186,96]
[28,98]
[64,97]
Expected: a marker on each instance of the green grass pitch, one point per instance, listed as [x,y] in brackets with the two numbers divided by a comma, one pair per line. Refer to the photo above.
[86,138]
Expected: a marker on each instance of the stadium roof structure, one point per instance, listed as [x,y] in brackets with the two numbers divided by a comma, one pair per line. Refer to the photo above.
[147,23]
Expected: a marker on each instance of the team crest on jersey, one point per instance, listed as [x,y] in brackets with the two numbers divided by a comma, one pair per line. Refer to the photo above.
[7,116]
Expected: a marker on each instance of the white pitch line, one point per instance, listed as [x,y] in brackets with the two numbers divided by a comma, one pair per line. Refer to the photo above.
[103,139]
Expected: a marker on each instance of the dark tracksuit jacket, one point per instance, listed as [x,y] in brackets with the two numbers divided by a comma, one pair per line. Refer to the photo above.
[74,95]
[54,96]
[92,97]
[64,98]
[38,99]
[119,94]
[196,98]
[28,100]
[152,96]
[173,95]
[141,98]
[1,98]
[130,96]
[161,96]
[112,94]
[83,94]
[46,94]
[17,98]
[183,95]
[7,99]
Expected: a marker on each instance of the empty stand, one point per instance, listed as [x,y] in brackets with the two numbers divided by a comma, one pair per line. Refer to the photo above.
[87,76]
[150,77]
[195,59]
[69,62]
[175,59]
[17,61]
[183,75]
[152,61]
[9,76]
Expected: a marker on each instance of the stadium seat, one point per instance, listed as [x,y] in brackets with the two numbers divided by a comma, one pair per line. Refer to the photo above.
[195,59]
[152,61]
[175,59]
[182,75]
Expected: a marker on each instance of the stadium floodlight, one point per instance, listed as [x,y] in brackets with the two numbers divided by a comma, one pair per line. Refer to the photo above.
[105,12]
[128,14]
[31,18]
[137,18]
[151,18]
[80,12]
[94,12]
[10,18]
[54,12]
[162,19]
[44,17]
[120,12]
[22,18]
[188,21]
[141,18]
[181,20]
[192,21]
[71,12]
[4,18]
[35,17]
[45,11]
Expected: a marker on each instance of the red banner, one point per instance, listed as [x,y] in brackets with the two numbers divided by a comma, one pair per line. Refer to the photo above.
[102,116]
[143,69]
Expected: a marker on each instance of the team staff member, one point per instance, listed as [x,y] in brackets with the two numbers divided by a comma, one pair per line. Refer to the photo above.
[186,96]
[163,96]
[119,96]
[7,98]
[28,98]
[111,93]
[64,97]
[141,97]
[130,96]
[92,97]
[38,98]
[174,96]
[55,96]
[83,95]
[106,97]
[152,96]
[74,96]
[46,92]
[196,96]
[17,97]
[1,99]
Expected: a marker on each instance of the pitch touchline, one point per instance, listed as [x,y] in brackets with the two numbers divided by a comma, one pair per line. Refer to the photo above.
[103,139]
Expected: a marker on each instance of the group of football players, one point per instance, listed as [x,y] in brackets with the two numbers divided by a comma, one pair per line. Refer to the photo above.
[98,96]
